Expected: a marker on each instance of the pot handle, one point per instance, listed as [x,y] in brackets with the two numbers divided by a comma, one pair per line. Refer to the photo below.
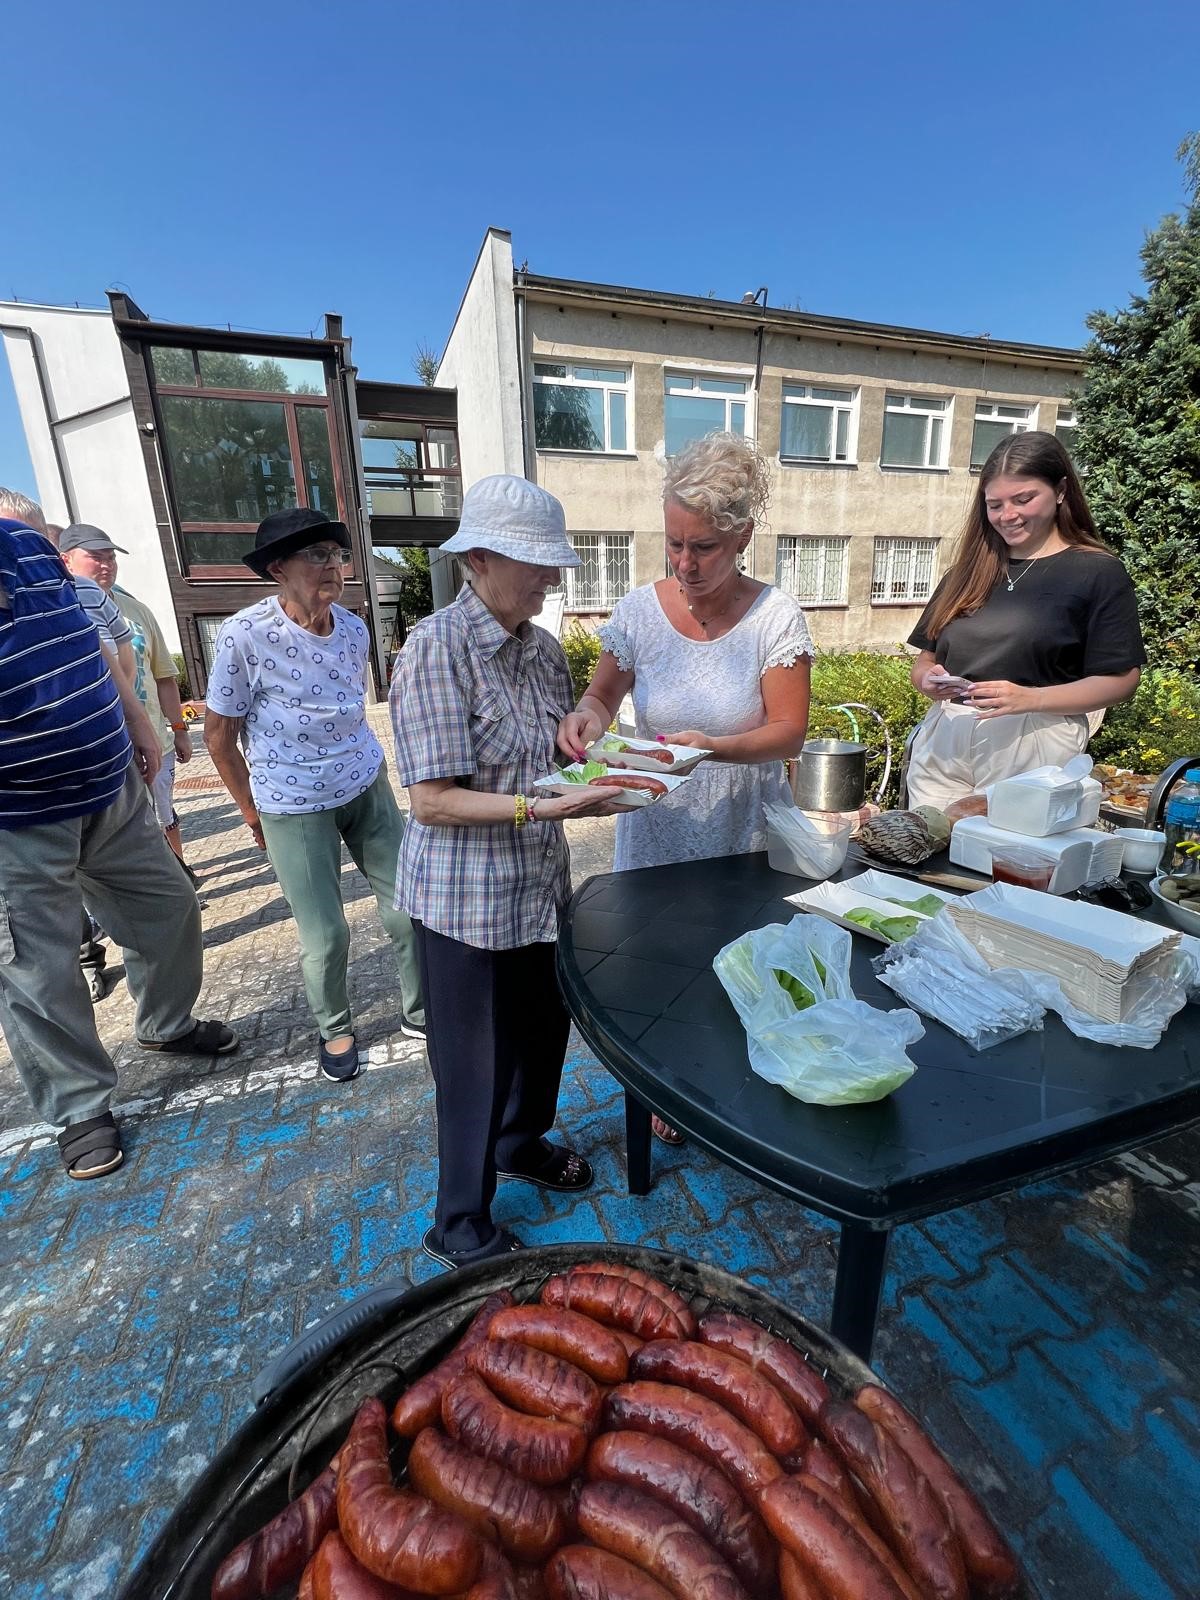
[318,1340]
[851,706]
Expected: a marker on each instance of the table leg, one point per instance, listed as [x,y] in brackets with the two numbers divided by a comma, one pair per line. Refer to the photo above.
[637,1144]
[860,1266]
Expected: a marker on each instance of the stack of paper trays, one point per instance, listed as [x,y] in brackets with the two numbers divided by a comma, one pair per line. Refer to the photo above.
[1101,959]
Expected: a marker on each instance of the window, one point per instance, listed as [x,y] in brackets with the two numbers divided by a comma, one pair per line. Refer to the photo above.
[243,436]
[813,569]
[994,422]
[1064,428]
[580,407]
[916,431]
[411,469]
[904,571]
[603,578]
[696,404]
[818,424]
[208,628]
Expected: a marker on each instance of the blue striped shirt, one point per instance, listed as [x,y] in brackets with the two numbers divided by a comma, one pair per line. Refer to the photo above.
[63,745]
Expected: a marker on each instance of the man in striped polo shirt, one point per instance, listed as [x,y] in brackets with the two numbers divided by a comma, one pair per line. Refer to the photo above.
[76,753]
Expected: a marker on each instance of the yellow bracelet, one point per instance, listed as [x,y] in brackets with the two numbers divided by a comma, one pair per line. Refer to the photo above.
[520,811]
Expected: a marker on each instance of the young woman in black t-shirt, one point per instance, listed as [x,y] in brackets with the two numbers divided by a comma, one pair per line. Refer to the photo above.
[1034,627]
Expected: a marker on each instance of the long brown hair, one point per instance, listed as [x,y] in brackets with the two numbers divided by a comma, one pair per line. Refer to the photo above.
[981,559]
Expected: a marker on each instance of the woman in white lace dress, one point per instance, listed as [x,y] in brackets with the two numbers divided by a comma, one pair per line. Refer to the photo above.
[712,658]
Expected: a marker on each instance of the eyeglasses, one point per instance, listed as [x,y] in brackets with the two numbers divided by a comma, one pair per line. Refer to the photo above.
[323,556]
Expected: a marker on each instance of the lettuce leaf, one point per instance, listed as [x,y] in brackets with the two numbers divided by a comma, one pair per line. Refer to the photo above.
[802,997]
[584,774]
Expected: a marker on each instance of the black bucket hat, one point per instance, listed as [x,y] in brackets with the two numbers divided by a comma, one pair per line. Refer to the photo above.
[284,532]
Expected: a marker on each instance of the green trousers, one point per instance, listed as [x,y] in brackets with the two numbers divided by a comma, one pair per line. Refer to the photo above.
[306,851]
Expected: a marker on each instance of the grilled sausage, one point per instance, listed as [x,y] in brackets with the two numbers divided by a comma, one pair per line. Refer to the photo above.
[305,1591]
[279,1552]
[630,780]
[581,1340]
[501,1579]
[644,1280]
[334,1574]
[538,1448]
[630,1341]
[819,1461]
[727,1380]
[852,1515]
[826,1547]
[695,1490]
[650,1535]
[421,1405]
[581,1572]
[794,1582]
[394,1533]
[798,1381]
[697,1423]
[917,1527]
[614,1300]
[534,1381]
[991,1566]
[527,1521]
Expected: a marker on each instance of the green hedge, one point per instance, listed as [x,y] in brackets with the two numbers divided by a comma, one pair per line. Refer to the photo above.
[185,688]
[1160,724]
[583,652]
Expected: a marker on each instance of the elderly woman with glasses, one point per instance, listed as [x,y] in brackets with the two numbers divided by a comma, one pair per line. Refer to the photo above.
[289,681]
[477,696]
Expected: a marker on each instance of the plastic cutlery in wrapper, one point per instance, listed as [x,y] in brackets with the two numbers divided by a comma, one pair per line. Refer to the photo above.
[790,985]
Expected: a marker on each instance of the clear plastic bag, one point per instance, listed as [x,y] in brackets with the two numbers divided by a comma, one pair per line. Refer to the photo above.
[941,974]
[837,1050]
[811,847]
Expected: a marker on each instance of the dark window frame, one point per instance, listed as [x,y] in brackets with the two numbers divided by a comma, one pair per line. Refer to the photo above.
[396,479]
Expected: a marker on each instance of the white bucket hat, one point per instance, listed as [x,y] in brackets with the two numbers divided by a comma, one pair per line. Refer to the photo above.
[516,519]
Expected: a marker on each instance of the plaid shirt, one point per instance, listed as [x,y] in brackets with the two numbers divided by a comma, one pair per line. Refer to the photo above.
[472,702]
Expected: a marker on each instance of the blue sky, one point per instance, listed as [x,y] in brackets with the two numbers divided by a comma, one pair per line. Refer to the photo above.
[947,166]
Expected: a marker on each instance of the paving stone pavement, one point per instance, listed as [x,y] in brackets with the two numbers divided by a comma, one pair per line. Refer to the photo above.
[1047,1337]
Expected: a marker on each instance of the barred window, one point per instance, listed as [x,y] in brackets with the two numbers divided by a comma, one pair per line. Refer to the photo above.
[904,571]
[813,568]
[603,578]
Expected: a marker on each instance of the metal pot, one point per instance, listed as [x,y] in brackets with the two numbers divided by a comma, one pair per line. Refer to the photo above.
[830,775]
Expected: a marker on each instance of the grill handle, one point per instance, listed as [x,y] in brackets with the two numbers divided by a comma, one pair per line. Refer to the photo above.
[316,1341]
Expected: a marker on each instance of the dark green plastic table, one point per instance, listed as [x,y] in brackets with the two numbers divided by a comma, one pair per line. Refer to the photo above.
[635,965]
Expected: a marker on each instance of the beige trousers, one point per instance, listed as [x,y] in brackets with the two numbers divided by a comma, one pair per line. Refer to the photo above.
[956,753]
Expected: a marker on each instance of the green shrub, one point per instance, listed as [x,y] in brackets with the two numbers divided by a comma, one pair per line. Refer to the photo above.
[1160,724]
[878,680]
[181,672]
[583,652]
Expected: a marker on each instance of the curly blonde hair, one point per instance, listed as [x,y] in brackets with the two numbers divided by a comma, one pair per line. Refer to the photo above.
[723,477]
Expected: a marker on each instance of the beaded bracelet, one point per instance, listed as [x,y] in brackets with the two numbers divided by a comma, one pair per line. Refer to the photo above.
[520,811]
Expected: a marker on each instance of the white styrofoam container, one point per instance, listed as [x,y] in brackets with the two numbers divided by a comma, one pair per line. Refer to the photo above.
[1082,855]
[1037,809]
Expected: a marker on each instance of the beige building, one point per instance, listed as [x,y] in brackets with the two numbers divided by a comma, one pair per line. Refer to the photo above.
[873,433]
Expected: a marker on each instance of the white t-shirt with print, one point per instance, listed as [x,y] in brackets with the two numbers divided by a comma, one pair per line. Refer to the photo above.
[303,699]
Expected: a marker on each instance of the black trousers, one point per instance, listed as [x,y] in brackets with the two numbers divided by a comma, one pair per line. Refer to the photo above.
[497,1037]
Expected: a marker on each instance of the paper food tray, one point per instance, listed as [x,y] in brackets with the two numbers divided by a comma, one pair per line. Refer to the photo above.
[634,797]
[833,900]
[686,756]
[1100,934]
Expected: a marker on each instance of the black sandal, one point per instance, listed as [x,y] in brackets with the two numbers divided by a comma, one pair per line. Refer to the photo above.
[563,1169]
[503,1244]
[90,1149]
[205,1039]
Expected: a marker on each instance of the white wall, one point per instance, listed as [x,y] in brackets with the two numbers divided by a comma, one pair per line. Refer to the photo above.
[84,372]
[480,361]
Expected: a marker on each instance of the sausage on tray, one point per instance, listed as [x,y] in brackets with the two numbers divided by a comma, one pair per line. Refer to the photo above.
[644,1280]
[630,780]
[917,1526]
[582,1572]
[796,1379]
[398,1535]
[697,1491]
[614,1300]
[537,1382]
[334,1574]
[826,1547]
[421,1405]
[583,1341]
[729,1381]
[991,1566]
[644,1531]
[279,1552]
[700,1425]
[538,1448]
[527,1521]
